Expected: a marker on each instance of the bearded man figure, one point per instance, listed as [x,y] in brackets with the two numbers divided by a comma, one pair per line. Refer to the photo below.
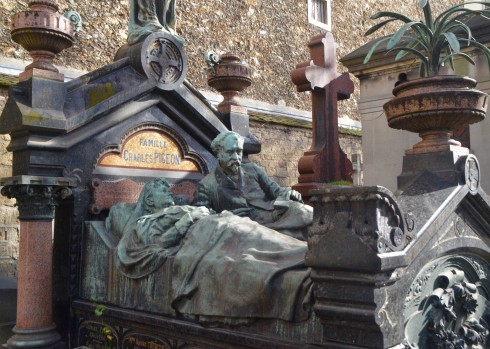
[247,191]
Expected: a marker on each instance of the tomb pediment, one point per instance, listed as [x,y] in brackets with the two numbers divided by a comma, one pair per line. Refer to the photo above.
[97,111]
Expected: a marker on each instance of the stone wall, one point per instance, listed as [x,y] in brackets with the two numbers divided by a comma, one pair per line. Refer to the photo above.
[270,35]
[282,147]
[9,225]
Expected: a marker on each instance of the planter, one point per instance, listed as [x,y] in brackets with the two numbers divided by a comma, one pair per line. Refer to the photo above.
[229,77]
[43,32]
[433,107]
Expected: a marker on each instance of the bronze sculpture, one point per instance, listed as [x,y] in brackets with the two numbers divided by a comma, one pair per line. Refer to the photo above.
[246,190]
[147,16]
[264,270]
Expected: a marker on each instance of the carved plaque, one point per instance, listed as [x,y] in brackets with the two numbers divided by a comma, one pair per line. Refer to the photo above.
[149,149]
[96,335]
[142,341]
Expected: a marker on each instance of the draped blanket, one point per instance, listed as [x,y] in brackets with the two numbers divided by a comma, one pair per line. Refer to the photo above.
[233,267]
[225,268]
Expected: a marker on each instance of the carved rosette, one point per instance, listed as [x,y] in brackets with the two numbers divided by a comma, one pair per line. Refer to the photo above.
[163,60]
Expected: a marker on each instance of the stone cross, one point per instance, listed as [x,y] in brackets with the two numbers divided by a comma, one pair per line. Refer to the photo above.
[325,161]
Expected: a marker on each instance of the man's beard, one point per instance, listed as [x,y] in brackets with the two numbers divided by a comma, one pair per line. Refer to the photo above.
[233,166]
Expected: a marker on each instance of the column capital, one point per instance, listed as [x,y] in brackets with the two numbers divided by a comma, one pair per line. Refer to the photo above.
[37,195]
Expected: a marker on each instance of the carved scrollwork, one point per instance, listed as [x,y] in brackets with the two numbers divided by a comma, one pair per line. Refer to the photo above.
[452,323]
[36,202]
[459,227]
[446,305]
[472,174]
[373,215]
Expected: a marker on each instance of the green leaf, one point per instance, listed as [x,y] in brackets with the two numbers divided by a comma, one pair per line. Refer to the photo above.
[99,310]
[428,16]
[462,55]
[372,49]
[393,15]
[417,53]
[375,27]
[445,17]
[483,49]
[453,41]
[448,57]
[399,34]
[422,3]
[402,53]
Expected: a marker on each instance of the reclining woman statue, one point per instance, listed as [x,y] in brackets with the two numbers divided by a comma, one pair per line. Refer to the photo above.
[226,268]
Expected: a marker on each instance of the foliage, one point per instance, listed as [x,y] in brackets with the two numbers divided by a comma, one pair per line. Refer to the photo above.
[453,323]
[340,183]
[434,41]
[106,330]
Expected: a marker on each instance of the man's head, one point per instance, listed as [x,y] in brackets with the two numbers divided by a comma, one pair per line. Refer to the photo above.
[155,196]
[228,148]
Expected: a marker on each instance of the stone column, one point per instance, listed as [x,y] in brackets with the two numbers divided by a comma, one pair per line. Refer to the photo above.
[36,199]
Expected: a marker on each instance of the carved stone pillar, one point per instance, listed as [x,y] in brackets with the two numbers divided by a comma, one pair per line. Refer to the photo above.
[353,247]
[36,199]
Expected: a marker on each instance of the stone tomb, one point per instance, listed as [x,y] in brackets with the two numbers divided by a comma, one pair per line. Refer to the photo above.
[388,270]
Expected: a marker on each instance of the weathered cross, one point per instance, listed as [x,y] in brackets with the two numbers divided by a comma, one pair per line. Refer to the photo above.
[325,161]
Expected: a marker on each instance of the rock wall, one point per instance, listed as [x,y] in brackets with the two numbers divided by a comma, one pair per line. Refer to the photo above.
[270,35]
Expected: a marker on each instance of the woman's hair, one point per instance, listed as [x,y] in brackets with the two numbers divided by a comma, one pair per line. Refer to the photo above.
[141,208]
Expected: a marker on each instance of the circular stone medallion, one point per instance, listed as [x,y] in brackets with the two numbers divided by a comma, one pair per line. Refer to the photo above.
[163,60]
[472,174]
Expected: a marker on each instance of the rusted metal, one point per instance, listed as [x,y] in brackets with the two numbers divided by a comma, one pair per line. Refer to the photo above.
[433,107]
[325,161]
[229,76]
[44,33]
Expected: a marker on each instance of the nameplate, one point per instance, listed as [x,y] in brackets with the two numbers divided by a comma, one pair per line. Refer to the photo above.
[141,341]
[149,150]
[96,335]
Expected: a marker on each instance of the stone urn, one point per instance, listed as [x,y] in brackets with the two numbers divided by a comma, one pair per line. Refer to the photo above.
[229,76]
[433,107]
[43,32]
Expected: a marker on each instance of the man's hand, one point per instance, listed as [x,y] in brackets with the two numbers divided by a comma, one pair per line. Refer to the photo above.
[199,212]
[295,196]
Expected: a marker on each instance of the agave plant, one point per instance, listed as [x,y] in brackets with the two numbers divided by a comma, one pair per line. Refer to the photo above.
[433,41]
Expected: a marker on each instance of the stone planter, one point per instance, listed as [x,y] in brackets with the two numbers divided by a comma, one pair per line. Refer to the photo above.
[230,76]
[433,107]
[44,33]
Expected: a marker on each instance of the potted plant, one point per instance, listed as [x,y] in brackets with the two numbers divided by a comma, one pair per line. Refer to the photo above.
[434,104]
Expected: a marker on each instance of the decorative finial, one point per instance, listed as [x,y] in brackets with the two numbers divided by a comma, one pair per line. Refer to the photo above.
[229,76]
[44,33]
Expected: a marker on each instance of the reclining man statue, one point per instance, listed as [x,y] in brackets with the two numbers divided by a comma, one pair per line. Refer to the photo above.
[246,190]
